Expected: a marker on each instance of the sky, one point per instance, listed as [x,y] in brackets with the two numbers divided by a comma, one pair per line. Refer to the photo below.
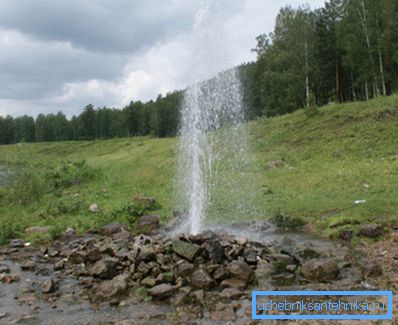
[58,55]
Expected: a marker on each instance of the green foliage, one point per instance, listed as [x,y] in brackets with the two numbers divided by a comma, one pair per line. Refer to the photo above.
[70,173]
[128,213]
[287,222]
[26,185]
[328,158]
[8,230]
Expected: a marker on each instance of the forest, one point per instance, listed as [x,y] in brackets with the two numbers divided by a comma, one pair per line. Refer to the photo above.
[344,51]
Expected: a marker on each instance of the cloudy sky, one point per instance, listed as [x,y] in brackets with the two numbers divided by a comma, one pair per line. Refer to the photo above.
[62,55]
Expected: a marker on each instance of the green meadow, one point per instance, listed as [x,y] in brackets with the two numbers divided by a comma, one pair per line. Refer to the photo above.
[332,158]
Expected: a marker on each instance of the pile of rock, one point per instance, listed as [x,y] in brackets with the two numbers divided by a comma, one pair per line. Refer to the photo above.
[113,263]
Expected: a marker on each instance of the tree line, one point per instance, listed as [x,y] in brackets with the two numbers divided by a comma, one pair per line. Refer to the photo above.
[344,51]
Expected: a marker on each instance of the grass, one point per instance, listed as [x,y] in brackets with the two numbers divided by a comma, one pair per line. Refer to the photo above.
[344,153]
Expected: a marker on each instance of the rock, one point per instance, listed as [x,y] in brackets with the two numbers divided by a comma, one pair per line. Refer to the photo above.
[250,255]
[4,269]
[273,164]
[231,293]
[282,279]
[149,282]
[104,268]
[94,208]
[346,234]
[371,270]
[28,266]
[186,250]
[17,243]
[9,278]
[307,252]
[291,267]
[233,283]
[147,224]
[241,241]
[111,288]
[147,200]
[321,270]
[48,286]
[161,291]
[37,230]
[2,315]
[214,250]
[198,296]
[201,279]
[223,312]
[220,273]
[110,229]
[70,231]
[185,269]
[147,254]
[371,231]
[59,265]
[280,261]
[181,297]
[241,270]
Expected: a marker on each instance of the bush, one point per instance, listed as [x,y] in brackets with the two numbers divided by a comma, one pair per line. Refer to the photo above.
[26,185]
[71,173]
[287,222]
[8,230]
[130,212]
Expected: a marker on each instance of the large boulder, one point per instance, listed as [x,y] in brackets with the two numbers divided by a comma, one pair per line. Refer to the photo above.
[147,224]
[321,270]
[110,229]
[104,268]
[185,249]
[111,288]
[241,270]
[201,279]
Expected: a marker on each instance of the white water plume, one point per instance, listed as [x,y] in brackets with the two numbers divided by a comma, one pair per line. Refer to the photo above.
[214,176]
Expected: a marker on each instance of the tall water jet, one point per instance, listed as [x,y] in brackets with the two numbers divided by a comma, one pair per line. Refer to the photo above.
[215,180]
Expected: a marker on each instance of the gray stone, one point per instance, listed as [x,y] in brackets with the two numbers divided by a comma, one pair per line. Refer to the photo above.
[371,231]
[161,291]
[201,279]
[273,164]
[233,283]
[147,224]
[241,270]
[48,286]
[37,230]
[231,293]
[307,252]
[104,268]
[321,270]
[94,208]
[250,255]
[17,243]
[214,250]
[186,250]
[110,229]
[111,288]
[185,269]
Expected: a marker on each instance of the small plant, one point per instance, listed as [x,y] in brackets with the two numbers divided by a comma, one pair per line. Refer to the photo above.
[287,222]
[8,230]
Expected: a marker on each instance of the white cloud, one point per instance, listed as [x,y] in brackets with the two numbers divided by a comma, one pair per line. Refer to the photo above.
[71,77]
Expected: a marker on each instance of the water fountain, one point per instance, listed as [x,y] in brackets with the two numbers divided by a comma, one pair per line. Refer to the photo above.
[215,180]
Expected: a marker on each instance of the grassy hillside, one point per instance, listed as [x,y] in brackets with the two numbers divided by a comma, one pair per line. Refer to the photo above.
[344,153]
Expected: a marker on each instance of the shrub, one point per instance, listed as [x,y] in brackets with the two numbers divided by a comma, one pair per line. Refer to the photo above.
[287,222]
